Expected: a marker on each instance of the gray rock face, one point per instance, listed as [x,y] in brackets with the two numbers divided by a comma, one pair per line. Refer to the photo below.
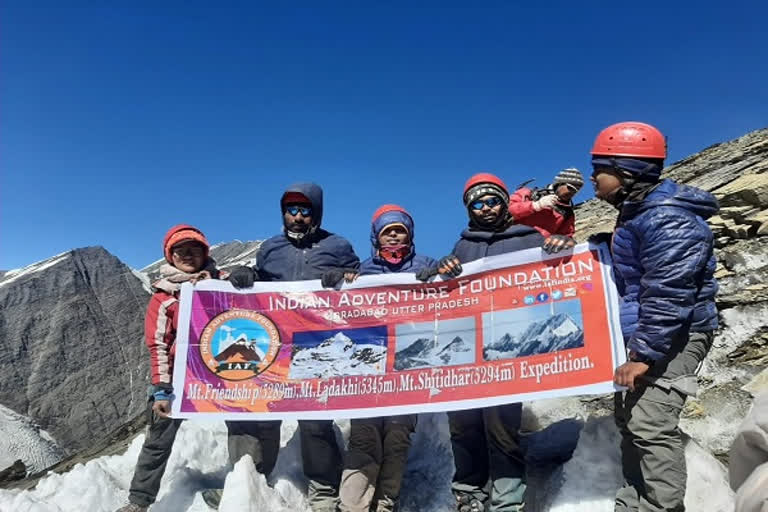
[736,172]
[72,355]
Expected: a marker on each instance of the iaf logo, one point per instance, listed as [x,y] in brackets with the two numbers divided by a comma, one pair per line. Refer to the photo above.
[239,344]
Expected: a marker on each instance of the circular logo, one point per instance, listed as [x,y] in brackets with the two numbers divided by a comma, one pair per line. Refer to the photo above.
[239,344]
[542,297]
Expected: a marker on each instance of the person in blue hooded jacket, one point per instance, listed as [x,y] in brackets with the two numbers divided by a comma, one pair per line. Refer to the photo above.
[663,263]
[485,441]
[378,447]
[305,251]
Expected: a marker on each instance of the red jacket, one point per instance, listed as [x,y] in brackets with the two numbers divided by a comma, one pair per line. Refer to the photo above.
[557,221]
[160,335]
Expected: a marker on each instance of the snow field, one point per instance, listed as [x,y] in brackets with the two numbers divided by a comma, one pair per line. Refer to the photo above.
[586,483]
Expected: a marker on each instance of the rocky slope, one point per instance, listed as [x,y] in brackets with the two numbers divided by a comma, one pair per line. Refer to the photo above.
[736,172]
[71,354]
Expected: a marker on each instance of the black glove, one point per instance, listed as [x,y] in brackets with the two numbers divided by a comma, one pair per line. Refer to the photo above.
[331,278]
[242,277]
[557,243]
[426,274]
[451,265]
[600,238]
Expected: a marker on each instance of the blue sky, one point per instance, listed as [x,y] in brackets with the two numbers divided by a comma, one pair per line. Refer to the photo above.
[118,122]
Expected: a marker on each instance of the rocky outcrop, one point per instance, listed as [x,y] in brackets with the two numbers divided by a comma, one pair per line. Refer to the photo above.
[736,172]
[71,350]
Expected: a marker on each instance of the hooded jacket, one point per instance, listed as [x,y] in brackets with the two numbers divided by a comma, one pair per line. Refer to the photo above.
[559,220]
[411,263]
[475,243]
[281,258]
[664,267]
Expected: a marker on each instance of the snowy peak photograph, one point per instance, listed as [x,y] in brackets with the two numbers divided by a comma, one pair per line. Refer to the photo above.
[240,351]
[532,330]
[323,354]
[432,344]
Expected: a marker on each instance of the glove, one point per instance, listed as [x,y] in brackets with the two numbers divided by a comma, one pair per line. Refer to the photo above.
[426,274]
[557,243]
[545,202]
[449,266]
[242,277]
[600,238]
[333,277]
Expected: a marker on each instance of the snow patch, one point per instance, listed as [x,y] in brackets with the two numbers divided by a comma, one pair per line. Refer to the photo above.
[586,483]
[13,275]
[21,438]
[144,278]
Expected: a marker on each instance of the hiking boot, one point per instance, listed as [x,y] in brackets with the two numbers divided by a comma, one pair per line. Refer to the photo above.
[132,507]
[212,497]
[468,503]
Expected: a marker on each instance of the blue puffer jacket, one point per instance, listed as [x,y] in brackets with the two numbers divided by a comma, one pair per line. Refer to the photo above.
[664,266]
[413,263]
[475,244]
[284,259]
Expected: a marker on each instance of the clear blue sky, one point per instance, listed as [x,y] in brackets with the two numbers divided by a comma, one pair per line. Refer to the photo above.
[117,122]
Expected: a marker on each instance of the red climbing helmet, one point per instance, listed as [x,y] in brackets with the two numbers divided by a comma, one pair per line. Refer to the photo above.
[631,139]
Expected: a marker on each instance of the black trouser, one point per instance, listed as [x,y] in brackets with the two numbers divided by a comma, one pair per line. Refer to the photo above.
[322,463]
[259,439]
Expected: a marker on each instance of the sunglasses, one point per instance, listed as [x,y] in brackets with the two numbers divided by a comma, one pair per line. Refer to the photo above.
[294,210]
[491,202]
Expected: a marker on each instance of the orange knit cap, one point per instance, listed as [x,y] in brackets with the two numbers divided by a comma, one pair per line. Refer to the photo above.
[180,233]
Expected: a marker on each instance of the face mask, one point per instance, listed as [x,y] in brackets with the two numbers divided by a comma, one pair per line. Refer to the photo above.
[394,253]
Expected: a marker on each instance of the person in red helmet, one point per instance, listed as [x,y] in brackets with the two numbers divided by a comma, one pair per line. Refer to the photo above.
[663,266]
[186,260]
[489,464]
[550,209]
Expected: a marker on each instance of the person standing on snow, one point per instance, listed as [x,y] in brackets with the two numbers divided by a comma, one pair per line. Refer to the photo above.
[305,251]
[550,210]
[378,447]
[186,254]
[486,441]
[663,263]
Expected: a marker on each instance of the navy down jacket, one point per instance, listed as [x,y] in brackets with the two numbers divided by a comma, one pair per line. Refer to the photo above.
[664,266]
[475,244]
[284,259]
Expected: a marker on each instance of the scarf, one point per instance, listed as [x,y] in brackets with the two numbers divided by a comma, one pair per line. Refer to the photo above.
[172,278]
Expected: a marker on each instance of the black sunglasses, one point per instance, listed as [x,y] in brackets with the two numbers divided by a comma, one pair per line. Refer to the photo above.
[305,211]
[491,202]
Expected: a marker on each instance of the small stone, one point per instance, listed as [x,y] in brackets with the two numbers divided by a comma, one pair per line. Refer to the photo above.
[694,409]
[749,189]
[758,384]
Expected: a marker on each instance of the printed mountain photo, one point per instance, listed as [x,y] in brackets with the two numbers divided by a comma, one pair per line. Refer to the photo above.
[322,354]
[240,351]
[532,330]
[431,344]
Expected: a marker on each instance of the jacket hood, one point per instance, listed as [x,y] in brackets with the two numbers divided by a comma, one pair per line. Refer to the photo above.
[311,191]
[669,193]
